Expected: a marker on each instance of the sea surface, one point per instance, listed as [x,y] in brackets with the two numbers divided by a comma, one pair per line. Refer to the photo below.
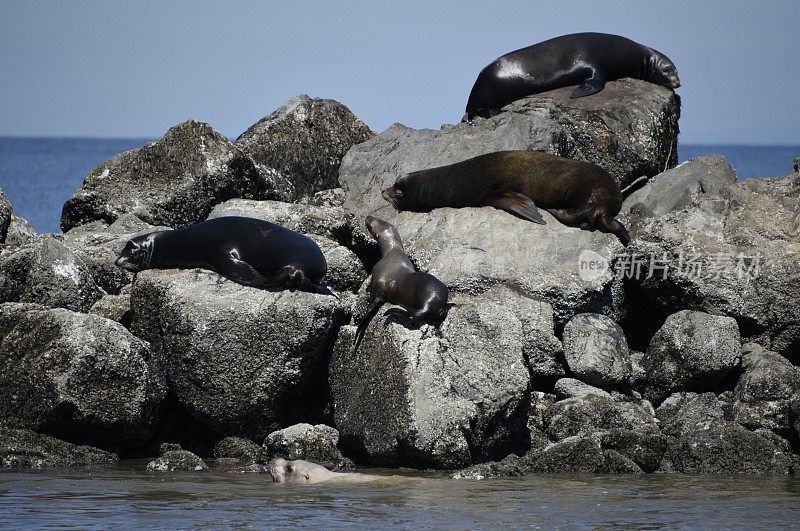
[39,174]
[128,497]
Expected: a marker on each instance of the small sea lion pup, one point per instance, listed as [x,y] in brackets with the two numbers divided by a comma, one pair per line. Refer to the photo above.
[249,251]
[584,59]
[299,471]
[395,280]
[576,193]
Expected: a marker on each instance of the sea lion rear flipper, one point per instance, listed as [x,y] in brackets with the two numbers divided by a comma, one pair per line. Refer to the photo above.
[517,203]
[591,85]
[372,309]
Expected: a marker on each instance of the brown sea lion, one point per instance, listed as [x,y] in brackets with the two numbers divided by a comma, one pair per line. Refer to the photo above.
[584,59]
[576,193]
[395,280]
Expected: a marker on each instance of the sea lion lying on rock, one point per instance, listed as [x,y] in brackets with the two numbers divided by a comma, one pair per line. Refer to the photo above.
[249,251]
[300,471]
[577,193]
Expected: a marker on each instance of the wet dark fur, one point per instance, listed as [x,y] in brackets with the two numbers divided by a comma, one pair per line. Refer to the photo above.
[576,193]
[396,281]
[249,251]
[584,59]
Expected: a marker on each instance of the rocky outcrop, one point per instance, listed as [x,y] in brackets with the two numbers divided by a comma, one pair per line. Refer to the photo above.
[174,181]
[762,395]
[174,459]
[242,361]
[732,250]
[303,142]
[237,448]
[78,377]
[443,396]
[114,307]
[45,271]
[19,232]
[582,454]
[589,414]
[5,215]
[596,351]
[692,351]
[21,448]
[629,129]
[318,444]
[688,412]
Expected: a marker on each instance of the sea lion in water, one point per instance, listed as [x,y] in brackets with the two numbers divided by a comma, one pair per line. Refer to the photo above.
[395,280]
[576,193]
[249,251]
[584,59]
[299,471]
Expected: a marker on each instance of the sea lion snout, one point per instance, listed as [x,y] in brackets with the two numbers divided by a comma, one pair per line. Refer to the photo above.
[389,195]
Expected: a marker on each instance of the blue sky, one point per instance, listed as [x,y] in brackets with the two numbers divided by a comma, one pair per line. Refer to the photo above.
[133,69]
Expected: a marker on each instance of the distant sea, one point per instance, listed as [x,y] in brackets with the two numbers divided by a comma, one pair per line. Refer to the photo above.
[39,174]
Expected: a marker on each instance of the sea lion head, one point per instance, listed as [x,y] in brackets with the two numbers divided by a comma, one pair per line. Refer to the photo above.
[297,471]
[137,253]
[397,194]
[382,230]
[662,71]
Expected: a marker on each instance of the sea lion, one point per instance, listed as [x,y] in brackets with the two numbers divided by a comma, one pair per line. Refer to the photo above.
[300,471]
[395,280]
[249,251]
[576,193]
[584,59]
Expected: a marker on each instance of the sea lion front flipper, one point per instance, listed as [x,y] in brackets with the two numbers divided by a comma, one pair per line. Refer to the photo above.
[243,273]
[517,203]
[591,85]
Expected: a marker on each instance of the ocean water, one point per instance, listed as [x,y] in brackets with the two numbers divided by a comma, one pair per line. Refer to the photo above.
[39,174]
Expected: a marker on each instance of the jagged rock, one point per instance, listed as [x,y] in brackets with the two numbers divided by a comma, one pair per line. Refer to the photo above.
[511,466]
[727,448]
[692,351]
[539,404]
[630,129]
[241,360]
[688,412]
[5,215]
[596,351]
[78,377]
[21,448]
[317,444]
[767,384]
[592,413]
[731,251]
[473,249]
[305,140]
[237,448]
[98,246]
[330,227]
[646,448]
[638,374]
[114,307]
[794,415]
[19,232]
[177,460]
[572,388]
[45,271]
[332,197]
[582,454]
[174,181]
[443,396]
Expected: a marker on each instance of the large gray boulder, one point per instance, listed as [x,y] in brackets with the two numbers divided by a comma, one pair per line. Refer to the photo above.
[731,251]
[596,351]
[473,249]
[174,181]
[241,360]
[237,448]
[175,460]
[689,412]
[45,271]
[589,414]
[22,448]
[629,129]
[692,351]
[78,377]
[318,444]
[304,141]
[443,396]
[581,454]
[20,231]
[330,227]
[5,215]
[764,390]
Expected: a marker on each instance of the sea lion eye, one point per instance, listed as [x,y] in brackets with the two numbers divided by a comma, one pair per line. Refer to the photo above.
[398,193]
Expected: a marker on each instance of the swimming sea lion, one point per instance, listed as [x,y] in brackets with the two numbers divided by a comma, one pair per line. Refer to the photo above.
[249,251]
[576,193]
[299,471]
[584,59]
[395,280]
